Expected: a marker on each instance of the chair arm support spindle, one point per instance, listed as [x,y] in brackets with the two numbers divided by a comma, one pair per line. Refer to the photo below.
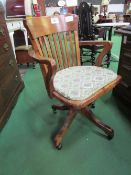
[107,45]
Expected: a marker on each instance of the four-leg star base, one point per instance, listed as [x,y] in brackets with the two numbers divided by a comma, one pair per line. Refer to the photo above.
[70,117]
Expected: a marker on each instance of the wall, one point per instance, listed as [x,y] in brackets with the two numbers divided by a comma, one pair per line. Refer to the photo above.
[3,1]
[117,1]
[94,2]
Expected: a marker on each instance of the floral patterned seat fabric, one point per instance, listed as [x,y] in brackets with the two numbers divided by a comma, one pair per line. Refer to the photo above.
[80,82]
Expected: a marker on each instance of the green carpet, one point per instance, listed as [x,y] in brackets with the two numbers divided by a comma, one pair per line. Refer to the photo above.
[25,142]
[116,40]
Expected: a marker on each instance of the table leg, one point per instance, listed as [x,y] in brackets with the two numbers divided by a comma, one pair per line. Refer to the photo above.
[11,34]
[25,35]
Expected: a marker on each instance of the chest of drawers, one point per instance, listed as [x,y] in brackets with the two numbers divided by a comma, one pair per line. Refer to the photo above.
[123,90]
[10,81]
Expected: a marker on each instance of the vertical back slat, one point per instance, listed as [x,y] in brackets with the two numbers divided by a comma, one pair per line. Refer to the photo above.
[66,48]
[47,46]
[57,51]
[52,47]
[39,46]
[72,48]
[62,51]
[43,67]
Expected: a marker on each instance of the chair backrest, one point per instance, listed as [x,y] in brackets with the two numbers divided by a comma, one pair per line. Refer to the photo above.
[56,37]
[86,23]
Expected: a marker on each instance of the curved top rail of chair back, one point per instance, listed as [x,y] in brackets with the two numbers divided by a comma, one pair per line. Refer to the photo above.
[45,25]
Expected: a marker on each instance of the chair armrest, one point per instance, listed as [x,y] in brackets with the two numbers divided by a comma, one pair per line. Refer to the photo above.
[48,68]
[107,45]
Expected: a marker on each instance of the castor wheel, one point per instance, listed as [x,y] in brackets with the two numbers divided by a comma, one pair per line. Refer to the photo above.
[93,105]
[59,147]
[54,110]
[108,64]
[110,136]
[33,65]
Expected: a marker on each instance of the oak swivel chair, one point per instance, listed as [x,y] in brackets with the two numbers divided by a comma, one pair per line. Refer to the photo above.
[56,48]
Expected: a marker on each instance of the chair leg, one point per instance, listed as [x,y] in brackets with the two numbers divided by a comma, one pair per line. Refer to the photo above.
[92,105]
[58,107]
[59,136]
[108,130]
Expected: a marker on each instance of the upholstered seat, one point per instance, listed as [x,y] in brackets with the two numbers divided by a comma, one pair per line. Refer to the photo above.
[80,82]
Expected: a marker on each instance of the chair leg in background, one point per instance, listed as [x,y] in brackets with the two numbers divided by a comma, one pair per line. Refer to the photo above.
[59,136]
[93,56]
[108,130]
[108,59]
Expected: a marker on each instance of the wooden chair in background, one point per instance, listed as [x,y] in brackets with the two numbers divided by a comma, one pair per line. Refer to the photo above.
[56,47]
[88,31]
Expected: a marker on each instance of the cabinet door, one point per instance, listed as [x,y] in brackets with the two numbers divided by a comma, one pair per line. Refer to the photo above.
[10,80]
[1,102]
[3,31]
[5,47]
[9,87]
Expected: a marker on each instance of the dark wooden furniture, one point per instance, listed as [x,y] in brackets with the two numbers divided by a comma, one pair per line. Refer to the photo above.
[22,55]
[15,8]
[103,20]
[88,31]
[123,90]
[10,80]
[56,47]
[127,18]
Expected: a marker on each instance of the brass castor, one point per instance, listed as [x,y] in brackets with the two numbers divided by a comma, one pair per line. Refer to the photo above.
[54,110]
[59,147]
[93,105]
[110,136]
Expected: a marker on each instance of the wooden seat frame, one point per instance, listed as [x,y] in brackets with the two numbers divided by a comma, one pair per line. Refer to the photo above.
[39,28]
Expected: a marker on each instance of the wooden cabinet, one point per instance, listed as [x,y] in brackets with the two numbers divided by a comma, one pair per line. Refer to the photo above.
[22,55]
[127,18]
[10,81]
[123,90]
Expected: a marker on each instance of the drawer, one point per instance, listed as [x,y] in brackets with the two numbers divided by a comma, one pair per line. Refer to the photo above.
[5,46]
[126,52]
[125,59]
[22,57]
[126,46]
[8,68]
[3,31]
[9,87]
[122,97]
[125,72]
[124,90]
[3,59]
